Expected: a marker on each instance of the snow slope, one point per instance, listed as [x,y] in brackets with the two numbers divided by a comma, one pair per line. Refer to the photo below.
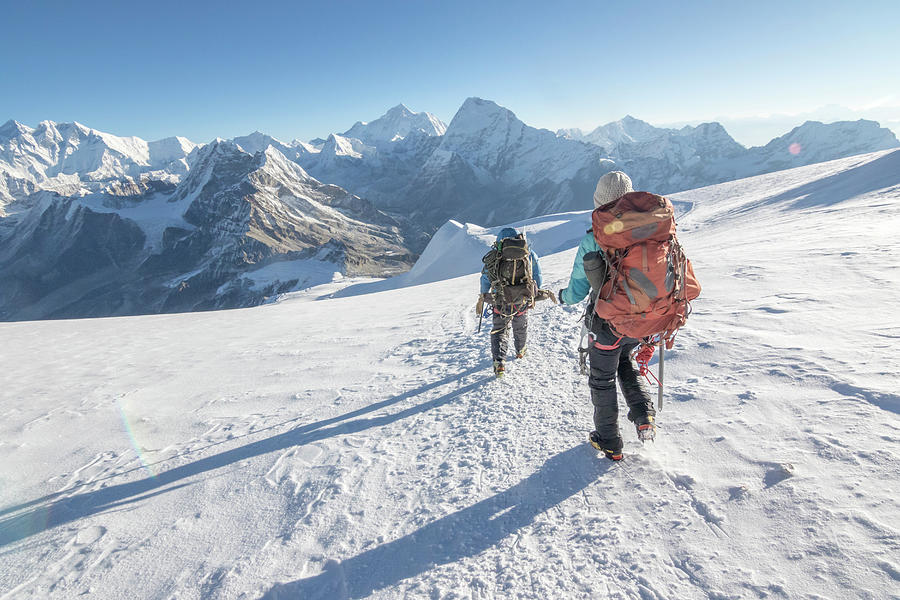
[456,249]
[358,447]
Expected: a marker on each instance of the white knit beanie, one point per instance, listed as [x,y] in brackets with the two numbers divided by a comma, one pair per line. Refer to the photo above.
[610,187]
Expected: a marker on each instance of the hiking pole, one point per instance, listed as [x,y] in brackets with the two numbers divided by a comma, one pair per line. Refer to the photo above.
[662,354]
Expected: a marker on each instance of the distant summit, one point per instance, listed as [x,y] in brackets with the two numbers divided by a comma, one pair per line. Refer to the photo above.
[11,129]
[396,124]
[815,142]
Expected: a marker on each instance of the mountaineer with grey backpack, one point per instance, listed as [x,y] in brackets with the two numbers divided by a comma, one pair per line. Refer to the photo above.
[640,286]
[510,284]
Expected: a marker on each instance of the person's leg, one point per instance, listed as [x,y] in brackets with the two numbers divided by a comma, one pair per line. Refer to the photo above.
[603,355]
[640,405]
[499,336]
[520,332]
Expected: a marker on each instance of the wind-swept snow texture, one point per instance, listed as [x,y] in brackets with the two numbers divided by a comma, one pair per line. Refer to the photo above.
[353,447]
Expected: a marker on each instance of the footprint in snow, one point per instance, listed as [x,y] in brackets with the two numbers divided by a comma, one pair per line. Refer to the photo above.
[738,492]
[89,535]
[778,473]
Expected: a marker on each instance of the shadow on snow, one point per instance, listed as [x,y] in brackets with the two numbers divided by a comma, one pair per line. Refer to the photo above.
[881,173]
[60,510]
[460,535]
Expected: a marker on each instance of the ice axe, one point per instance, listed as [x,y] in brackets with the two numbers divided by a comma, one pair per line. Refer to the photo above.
[662,356]
[479,309]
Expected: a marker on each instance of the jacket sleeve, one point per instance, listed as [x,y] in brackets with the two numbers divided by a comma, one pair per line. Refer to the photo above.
[536,270]
[485,282]
[579,286]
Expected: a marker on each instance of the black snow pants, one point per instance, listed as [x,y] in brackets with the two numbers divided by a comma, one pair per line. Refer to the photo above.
[610,357]
[500,331]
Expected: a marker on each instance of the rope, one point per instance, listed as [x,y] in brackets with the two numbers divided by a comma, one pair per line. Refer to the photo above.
[643,356]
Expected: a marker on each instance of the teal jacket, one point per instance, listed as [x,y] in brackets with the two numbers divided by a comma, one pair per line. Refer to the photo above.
[579,286]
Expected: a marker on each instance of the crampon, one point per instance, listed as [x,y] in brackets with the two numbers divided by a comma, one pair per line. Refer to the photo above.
[646,429]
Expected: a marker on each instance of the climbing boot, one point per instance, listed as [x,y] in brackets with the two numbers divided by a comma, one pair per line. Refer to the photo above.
[499,368]
[611,449]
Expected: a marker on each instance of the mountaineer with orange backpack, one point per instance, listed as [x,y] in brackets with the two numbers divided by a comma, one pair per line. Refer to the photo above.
[640,285]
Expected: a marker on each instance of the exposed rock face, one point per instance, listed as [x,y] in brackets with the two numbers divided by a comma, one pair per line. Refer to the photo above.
[67,257]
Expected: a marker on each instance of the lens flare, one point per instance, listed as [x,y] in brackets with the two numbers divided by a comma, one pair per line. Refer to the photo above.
[129,430]
[795,148]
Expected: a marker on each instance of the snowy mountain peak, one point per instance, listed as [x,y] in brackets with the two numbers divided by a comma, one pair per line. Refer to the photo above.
[491,166]
[81,127]
[215,160]
[73,159]
[399,111]
[396,124]
[625,130]
[477,114]
[570,133]
[339,145]
[47,131]
[221,146]
[815,141]
[475,105]
[11,129]
[607,136]
[177,146]
[860,128]
[256,142]
[225,160]
[273,160]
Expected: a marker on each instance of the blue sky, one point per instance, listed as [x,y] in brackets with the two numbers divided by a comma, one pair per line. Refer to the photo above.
[304,69]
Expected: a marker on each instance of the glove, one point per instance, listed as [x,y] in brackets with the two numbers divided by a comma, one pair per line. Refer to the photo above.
[488,297]
[559,296]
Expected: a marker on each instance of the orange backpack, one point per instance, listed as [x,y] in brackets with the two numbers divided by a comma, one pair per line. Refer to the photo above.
[651,282]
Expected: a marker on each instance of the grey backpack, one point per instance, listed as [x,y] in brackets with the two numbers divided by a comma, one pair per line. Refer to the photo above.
[508,268]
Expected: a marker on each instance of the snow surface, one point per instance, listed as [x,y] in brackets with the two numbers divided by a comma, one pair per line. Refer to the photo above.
[358,446]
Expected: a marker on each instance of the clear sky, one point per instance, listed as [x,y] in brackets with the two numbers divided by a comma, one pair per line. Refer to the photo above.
[305,69]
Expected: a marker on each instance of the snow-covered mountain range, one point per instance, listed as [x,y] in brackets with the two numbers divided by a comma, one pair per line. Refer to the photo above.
[184,224]
[71,159]
[237,229]
[326,447]
[671,160]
